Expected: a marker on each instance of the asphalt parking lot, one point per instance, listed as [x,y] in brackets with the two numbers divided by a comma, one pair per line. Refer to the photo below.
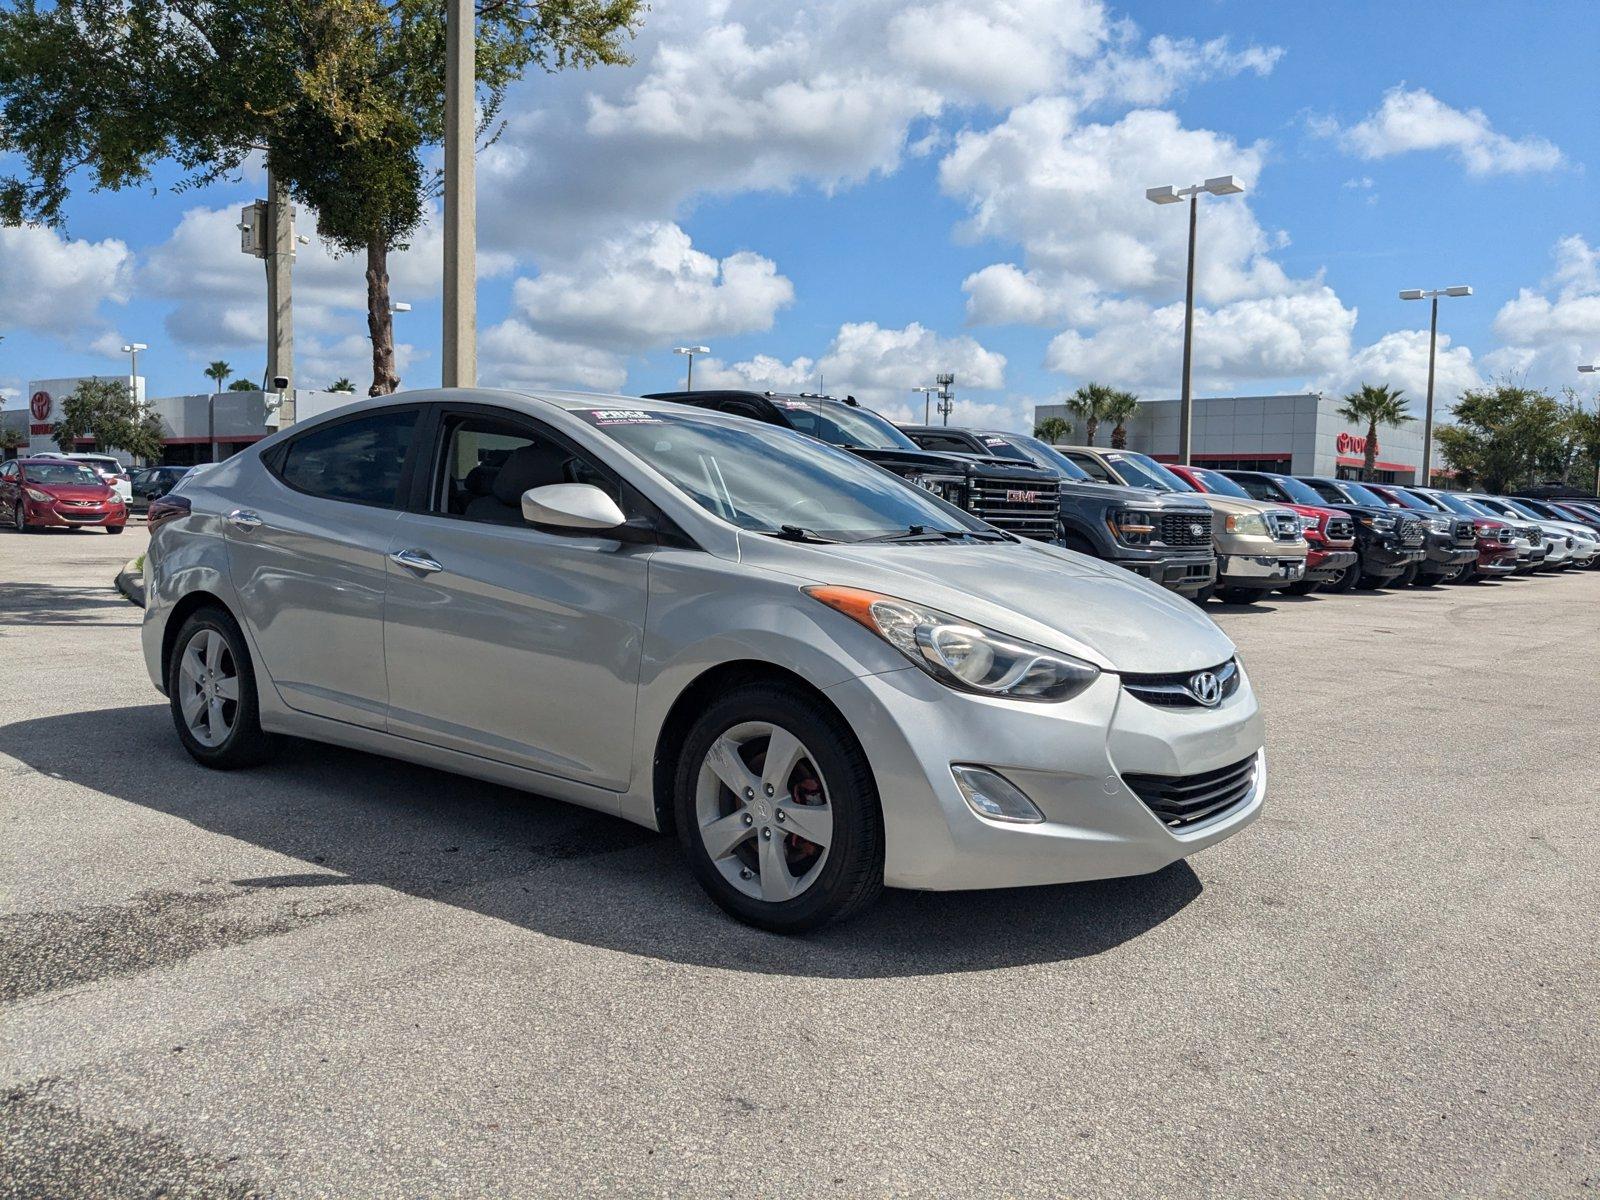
[342,976]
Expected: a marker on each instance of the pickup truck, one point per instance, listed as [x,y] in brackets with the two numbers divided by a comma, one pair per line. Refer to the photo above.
[1330,535]
[1017,497]
[1452,542]
[1260,547]
[1165,538]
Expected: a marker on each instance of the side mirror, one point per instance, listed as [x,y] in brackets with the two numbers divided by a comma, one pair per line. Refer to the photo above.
[571,506]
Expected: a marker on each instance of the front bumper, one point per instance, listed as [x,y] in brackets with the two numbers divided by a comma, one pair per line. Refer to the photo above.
[1069,758]
[65,513]
[1324,566]
[1183,574]
[1444,557]
[1389,557]
[1265,571]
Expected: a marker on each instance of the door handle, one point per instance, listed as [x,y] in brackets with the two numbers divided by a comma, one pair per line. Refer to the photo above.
[244,520]
[417,560]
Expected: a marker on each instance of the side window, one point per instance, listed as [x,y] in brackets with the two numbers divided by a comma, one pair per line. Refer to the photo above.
[487,463]
[1093,466]
[358,460]
[946,443]
[741,408]
[1259,488]
[1327,491]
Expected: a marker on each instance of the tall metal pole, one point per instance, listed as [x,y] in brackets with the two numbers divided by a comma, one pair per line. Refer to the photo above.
[280,289]
[211,424]
[133,375]
[460,199]
[688,378]
[1186,404]
[1427,420]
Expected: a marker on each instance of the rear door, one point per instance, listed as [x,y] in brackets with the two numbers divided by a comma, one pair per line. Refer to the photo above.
[503,640]
[308,540]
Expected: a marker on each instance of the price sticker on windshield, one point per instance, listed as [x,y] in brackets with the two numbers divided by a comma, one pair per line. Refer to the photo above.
[620,416]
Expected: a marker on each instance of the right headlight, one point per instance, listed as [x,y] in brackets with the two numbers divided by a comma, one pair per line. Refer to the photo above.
[36,495]
[1248,524]
[1381,524]
[1133,526]
[960,654]
[947,488]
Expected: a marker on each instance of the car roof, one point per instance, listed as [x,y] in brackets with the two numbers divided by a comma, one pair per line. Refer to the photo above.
[44,460]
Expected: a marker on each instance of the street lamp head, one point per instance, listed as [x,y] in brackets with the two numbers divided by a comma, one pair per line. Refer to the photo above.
[1588,367]
[1460,289]
[400,306]
[1411,294]
[134,347]
[691,349]
[1224,185]
[1162,195]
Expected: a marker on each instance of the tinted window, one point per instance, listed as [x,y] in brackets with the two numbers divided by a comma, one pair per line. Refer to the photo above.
[1219,484]
[358,460]
[842,425]
[489,462]
[1329,493]
[945,443]
[1046,456]
[1141,472]
[1362,495]
[1093,467]
[1257,487]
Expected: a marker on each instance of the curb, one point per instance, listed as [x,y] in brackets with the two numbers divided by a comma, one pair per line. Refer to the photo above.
[130,582]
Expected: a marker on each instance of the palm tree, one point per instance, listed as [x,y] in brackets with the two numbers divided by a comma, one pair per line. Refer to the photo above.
[341,384]
[1376,405]
[1089,404]
[218,373]
[1119,408]
[1053,430]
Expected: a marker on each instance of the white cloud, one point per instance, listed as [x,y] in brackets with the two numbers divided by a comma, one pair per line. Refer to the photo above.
[1546,333]
[1400,360]
[56,285]
[1413,119]
[649,286]
[876,365]
[513,354]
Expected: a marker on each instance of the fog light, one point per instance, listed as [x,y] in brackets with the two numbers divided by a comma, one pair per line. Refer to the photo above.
[994,796]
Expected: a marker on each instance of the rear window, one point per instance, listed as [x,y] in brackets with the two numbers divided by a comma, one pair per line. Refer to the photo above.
[358,460]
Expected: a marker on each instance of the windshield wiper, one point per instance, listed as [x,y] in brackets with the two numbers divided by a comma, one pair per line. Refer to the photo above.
[794,533]
[921,533]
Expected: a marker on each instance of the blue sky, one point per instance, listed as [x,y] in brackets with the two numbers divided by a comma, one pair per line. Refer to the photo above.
[881,189]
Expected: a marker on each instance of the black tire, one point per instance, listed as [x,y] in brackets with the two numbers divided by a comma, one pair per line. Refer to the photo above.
[1304,588]
[1239,595]
[1406,578]
[1371,583]
[1346,580]
[247,744]
[1204,593]
[19,519]
[114,528]
[852,875]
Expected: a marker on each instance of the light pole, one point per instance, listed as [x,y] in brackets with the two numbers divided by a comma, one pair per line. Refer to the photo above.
[460,341]
[1587,369]
[947,396]
[1220,185]
[1433,338]
[928,391]
[132,351]
[690,351]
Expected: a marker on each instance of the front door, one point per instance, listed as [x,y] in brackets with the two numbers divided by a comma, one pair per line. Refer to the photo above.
[503,640]
[307,551]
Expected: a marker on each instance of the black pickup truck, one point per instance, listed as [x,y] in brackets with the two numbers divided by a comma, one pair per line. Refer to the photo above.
[1164,537]
[1017,497]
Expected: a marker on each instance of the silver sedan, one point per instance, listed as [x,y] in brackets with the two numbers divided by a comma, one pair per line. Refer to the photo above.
[820,679]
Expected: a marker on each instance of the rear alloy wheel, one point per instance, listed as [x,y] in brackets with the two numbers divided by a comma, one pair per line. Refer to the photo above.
[777,810]
[212,689]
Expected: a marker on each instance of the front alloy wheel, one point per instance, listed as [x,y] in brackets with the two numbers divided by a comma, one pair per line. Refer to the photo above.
[777,809]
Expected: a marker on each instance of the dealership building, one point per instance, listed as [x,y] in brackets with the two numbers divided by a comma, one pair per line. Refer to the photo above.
[242,418]
[1292,435]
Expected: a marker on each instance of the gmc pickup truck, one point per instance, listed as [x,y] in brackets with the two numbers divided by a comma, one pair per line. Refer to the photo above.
[1165,538]
[1260,547]
[1017,497]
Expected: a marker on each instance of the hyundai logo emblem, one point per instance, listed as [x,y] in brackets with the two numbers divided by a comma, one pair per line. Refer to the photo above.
[1205,687]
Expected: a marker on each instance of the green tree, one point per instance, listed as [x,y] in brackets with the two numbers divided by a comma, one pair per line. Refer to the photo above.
[1119,407]
[11,440]
[1376,405]
[1090,405]
[1502,436]
[241,385]
[218,373]
[1053,429]
[345,98]
[341,384]
[107,413]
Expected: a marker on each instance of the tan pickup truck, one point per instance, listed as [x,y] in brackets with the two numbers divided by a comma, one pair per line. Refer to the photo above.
[1260,546]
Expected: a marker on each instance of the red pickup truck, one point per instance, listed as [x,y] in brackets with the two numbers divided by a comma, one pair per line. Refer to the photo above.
[1330,534]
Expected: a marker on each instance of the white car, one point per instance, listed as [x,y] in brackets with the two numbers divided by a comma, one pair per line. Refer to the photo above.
[1570,544]
[112,473]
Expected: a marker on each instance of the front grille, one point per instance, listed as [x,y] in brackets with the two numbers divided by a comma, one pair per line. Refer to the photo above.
[1186,529]
[1466,532]
[1285,526]
[1411,531]
[68,515]
[1504,536]
[1028,508]
[1183,800]
[1177,690]
[1340,529]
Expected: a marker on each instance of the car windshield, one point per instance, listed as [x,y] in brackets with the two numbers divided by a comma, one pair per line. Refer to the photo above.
[842,425]
[110,465]
[1361,495]
[1041,454]
[766,480]
[1220,484]
[1142,471]
[1527,510]
[1457,504]
[1297,491]
[61,472]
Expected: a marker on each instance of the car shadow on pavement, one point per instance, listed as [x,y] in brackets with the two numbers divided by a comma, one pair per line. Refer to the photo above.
[355,818]
[28,603]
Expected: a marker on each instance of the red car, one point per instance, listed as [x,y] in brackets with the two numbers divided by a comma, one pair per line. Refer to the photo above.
[39,492]
[1330,534]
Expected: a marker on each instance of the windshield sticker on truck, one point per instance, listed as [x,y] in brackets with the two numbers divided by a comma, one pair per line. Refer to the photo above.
[619,416]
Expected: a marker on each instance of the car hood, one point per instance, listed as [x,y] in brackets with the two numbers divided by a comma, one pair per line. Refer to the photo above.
[74,491]
[1133,497]
[1102,613]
